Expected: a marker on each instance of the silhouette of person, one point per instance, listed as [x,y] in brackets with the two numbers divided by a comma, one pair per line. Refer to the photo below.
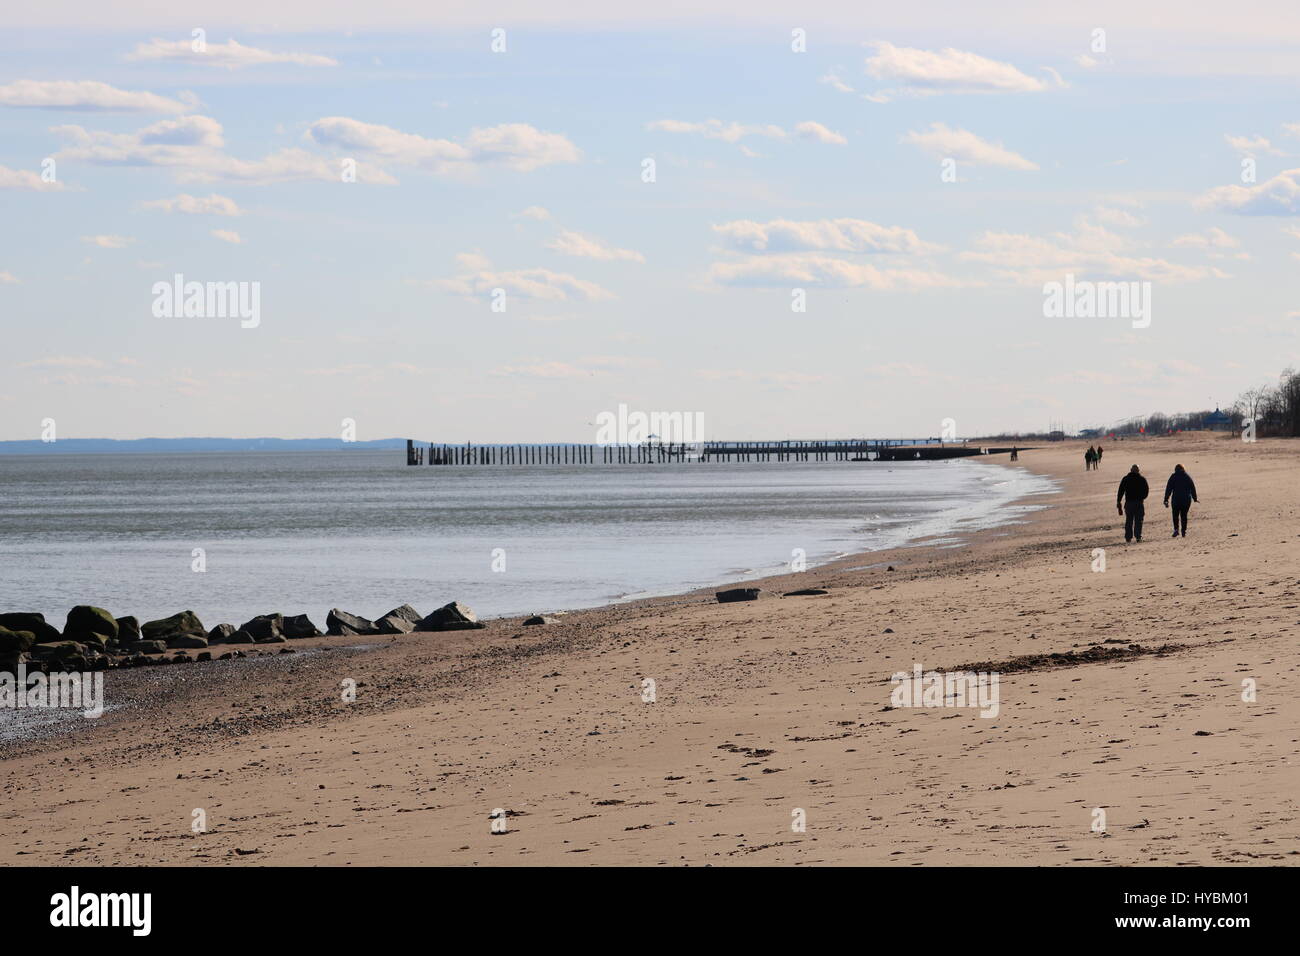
[1089,457]
[1129,500]
[1182,490]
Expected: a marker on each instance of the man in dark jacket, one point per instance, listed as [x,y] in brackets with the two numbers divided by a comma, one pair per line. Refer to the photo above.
[1133,491]
[1182,489]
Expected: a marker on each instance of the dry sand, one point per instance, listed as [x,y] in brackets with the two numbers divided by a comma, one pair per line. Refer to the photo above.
[762,708]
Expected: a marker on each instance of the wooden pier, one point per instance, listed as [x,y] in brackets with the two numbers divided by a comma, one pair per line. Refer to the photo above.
[651,453]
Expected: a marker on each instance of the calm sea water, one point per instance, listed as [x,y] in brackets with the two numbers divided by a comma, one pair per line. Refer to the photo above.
[301,532]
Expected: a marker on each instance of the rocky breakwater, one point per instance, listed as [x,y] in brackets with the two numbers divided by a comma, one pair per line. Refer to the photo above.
[93,639]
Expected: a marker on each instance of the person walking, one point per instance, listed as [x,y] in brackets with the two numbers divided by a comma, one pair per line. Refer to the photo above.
[1099,456]
[1089,457]
[1182,490]
[1130,500]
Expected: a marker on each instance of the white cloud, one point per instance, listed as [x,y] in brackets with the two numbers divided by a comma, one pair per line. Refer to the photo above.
[89,96]
[822,270]
[823,235]
[64,361]
[1214,237]
[964,146]
[926,73]
[8,278]
[540,213]
[1087,62]
[545,370]
[1117,217]
[108,242]
[27,180]
[192,147]
[736,132]
[1279,196]
[819,133]
[231,55]
[717,129]
[1249,145]
[835,83]
[575,244]
[516,146]
[212,205]
[479,280]
[228,235]
[1092,251]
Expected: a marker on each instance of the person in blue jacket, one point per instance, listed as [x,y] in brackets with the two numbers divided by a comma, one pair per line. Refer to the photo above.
[1182,490]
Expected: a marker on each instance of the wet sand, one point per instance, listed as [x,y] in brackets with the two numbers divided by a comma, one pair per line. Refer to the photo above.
[762,709]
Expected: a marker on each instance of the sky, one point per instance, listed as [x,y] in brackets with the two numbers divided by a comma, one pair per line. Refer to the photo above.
[495,222]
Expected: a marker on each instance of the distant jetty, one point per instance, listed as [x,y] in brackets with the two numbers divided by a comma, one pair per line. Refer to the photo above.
[649,453]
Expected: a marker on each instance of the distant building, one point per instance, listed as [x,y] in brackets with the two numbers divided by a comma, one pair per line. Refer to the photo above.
[1056,436]
[1090,432]
[1218,421]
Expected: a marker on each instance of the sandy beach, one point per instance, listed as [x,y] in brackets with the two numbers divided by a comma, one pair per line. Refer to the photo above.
[764,713]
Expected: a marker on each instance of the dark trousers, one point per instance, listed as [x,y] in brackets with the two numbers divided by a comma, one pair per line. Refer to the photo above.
[1179,509]
[1134,512]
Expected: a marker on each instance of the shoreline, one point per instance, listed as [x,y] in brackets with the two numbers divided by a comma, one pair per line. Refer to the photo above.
[762,707]
[62,725]
[828,539]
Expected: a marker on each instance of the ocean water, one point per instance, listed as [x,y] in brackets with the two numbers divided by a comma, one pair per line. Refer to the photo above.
[301,532]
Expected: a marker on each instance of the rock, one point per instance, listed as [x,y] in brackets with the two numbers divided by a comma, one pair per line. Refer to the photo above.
[240,637]
[276,638]
[13,643]
[228,656]
[450,617]
[188,640]
[172,629]
[33,622]
[204,656]
[806,592]
[264,627]
[221,633]
[128,630]
[58,650]
[400,620]
[90,625]
[147,647]
[342,624]
[299,626]
[738,594]
[542,619]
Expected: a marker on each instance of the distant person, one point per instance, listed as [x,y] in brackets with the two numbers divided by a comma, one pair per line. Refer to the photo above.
[1133,491]
[1089,457]
[1015,453]
[1182,490]
[1098,456]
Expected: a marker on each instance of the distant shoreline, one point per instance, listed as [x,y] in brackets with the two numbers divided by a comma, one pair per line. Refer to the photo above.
[102,446]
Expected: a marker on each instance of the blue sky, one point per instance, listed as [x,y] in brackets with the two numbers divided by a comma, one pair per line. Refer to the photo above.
[522,170]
